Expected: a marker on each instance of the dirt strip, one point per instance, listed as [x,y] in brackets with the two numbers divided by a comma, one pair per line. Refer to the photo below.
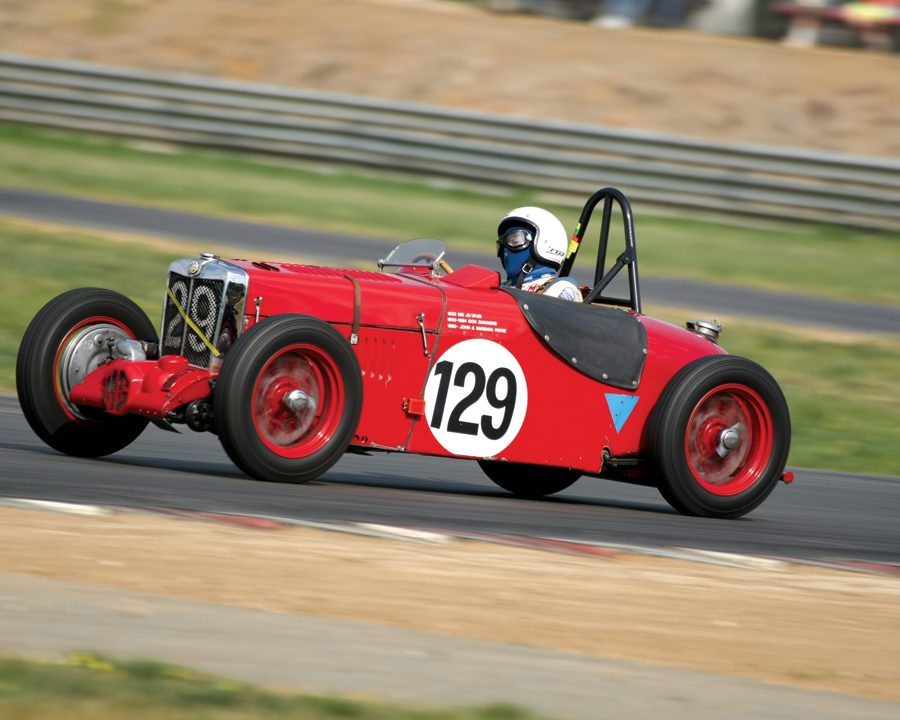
[807,627]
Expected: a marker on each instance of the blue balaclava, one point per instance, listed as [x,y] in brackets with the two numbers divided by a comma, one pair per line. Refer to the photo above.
[514,260]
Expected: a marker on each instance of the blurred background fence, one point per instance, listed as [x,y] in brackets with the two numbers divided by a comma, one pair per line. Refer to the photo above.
[570,160]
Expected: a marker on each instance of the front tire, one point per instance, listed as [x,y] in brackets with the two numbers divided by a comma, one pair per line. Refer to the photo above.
[66,340]
[720,436]
[288,399]
[532,481]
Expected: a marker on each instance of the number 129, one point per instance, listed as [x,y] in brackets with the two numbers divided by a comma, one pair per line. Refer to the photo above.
[506,402]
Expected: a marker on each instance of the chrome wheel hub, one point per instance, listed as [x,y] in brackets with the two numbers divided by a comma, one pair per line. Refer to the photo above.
[85,351]
[729,439]
[299,401]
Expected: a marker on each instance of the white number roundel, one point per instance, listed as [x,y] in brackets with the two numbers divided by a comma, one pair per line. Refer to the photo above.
[475,398]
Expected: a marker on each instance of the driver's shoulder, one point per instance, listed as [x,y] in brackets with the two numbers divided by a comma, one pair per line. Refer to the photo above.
[563,288]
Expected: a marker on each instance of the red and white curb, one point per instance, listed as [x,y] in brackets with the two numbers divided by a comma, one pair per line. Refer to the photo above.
[418,535]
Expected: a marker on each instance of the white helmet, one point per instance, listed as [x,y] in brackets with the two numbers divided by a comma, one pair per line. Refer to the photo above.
[548,239]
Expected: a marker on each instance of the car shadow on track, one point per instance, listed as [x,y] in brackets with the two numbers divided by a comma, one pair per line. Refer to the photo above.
[193,467]
[462,489]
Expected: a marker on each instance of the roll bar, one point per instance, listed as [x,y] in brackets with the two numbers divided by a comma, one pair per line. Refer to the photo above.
[627,258]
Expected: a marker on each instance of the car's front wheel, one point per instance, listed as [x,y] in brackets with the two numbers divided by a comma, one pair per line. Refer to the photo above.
[288,399]
[70,337]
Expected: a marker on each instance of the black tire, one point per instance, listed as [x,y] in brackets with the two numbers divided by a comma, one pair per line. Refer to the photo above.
[533,481]
[262,436]
[46,369]
[700,470]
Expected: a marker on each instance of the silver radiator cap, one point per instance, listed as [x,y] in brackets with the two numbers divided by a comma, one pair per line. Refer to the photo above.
[709,329]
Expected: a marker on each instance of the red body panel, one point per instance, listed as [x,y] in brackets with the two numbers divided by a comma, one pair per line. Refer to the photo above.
[328,294]
[568,420]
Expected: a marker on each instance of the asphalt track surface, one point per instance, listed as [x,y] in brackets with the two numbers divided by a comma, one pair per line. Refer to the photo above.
[269,242]
[821,517]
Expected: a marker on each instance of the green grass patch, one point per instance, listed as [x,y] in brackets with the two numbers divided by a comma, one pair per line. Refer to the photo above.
[90,687]
[828,261]
[39,264]
[843,393]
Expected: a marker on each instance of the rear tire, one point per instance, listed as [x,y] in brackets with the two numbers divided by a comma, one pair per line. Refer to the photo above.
[720,436]
[259,430]
[533,481]
[58,350]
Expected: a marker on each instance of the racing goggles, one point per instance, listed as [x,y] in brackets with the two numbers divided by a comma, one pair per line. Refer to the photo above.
[515,238]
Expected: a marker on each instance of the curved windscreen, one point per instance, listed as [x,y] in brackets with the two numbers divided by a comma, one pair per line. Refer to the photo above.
[422,252]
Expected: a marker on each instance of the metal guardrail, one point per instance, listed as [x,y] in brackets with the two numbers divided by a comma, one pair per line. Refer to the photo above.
[568,159]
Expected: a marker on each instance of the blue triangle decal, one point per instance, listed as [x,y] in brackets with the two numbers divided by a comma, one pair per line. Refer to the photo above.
[620,407]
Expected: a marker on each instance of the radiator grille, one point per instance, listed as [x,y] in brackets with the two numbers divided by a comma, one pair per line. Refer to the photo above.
[202,298]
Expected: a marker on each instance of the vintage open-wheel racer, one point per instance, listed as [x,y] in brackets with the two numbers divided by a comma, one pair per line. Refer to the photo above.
[294,365]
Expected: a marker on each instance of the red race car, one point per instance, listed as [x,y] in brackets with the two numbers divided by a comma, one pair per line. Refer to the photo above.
[294,365]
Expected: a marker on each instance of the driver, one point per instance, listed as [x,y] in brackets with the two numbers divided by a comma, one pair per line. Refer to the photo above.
[531,245]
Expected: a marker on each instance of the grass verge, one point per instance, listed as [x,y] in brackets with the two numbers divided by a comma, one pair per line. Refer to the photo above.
[827,261]
[90,687]
[842,391]
[39,263]
[844,404]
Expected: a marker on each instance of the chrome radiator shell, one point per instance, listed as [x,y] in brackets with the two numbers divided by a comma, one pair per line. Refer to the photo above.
[214,294]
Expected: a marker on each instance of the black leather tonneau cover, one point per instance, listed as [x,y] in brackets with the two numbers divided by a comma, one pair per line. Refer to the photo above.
[604,343]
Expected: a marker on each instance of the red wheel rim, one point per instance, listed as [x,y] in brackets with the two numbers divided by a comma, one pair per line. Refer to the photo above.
[60,383]
[729,438]
[291,432]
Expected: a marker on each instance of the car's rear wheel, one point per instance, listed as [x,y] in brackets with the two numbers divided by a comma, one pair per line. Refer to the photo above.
[288,399]
[70,337]
[720,436]
[532,481]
